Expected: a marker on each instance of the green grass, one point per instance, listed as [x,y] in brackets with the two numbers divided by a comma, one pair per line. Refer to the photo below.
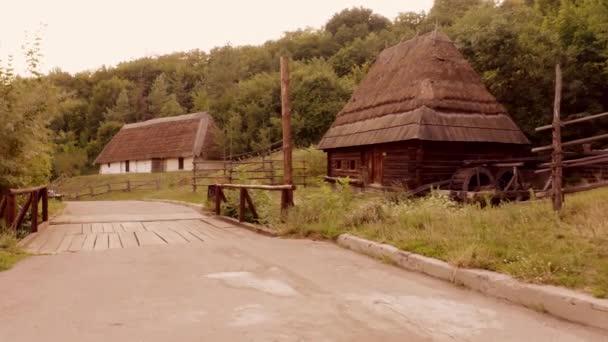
[526,240]
[10,253]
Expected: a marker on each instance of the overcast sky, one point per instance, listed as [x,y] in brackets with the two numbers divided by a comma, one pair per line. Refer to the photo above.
[81,35]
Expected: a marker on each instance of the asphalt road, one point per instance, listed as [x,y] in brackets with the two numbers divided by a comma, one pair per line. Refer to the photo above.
[223,283]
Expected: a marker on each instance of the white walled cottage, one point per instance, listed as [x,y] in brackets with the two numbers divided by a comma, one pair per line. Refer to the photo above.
[159,145]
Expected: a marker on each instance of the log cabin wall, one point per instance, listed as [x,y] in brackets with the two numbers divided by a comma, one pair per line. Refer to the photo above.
[345,162]
[442,159]
[411,163]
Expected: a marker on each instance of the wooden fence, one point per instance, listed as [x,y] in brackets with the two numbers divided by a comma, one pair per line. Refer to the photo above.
[100,189]
[265,171]
[216,193]
[14,216]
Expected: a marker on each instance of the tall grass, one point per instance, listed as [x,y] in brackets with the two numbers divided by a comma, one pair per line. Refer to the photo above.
[527,240]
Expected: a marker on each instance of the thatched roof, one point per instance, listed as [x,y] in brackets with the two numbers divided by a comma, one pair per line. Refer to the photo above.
[180,136]
[422,89]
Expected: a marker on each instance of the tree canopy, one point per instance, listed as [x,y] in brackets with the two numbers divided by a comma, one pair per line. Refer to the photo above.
[514,46]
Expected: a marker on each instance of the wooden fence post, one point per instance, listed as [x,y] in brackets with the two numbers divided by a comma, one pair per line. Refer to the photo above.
[128,185]
[45,204]
[286,195]
[11,209]
[34,211]
[557,143]
[157,184]
[242,195]
[218,199]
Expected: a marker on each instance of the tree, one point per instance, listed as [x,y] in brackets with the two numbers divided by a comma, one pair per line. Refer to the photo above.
[355,16]
[446,12]
[121,111]
[103,97]
[27,106]
[171,107]
[200,100]
[160,102]
[317,95]
[105,133]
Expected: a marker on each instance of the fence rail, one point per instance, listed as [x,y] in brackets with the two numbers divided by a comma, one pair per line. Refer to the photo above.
[215,192]
[101,189]
[266,171]
[14,216]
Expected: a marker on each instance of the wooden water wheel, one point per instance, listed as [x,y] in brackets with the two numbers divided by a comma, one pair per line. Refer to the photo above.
[473,179]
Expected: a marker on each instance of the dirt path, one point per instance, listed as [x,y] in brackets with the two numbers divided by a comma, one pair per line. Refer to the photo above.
[208,281]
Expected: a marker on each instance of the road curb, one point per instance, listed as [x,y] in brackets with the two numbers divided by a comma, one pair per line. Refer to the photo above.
[557,301]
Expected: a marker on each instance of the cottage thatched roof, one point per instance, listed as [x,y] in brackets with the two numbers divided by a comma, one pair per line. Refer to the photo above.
[180,136]
[422,89]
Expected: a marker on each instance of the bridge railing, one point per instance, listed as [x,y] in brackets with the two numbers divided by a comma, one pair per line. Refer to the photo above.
[14,216]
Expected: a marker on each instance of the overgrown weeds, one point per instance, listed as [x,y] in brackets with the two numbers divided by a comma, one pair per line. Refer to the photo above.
[527,239]
[10,252]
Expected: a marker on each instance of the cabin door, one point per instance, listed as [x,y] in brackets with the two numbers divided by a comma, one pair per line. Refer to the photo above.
[157,165]
[374,159]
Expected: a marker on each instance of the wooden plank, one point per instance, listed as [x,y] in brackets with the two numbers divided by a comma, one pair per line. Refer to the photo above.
[199,229]
[52,244]
[107,228]
[77,242]
[97,228]
[170,236]
[147,238]
[572,143]
[65,244]
[128,239]
[101,243]
[114,241]
[89,242]
[39,241]
[117,227]
[573,121]
[86,228]
[132,227]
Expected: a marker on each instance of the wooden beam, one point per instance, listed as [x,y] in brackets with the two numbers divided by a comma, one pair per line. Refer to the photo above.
[574,121]
[45,204]
[26,191]
[250,205]
[242,205]
[257,186]
[17,222]
[579,164]
[11,209]
[287,195]
[34,211]
[556,174]
[571,143]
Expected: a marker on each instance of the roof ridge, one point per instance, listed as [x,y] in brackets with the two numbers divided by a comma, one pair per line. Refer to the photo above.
[191,116]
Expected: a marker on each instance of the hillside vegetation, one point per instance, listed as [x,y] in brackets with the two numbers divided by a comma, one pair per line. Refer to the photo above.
[62,121]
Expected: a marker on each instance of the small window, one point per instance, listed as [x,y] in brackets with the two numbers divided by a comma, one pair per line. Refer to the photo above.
[352,165]
[108,164]
[338,164]
[127,166]
[180,163]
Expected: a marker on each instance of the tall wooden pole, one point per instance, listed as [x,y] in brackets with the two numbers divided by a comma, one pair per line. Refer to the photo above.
[556,174]
[287,195]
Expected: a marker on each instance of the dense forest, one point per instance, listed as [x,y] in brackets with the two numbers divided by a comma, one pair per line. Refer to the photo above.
[57,123]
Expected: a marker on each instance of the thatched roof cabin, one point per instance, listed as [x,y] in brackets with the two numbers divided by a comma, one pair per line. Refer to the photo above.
[421,103]
[155,145]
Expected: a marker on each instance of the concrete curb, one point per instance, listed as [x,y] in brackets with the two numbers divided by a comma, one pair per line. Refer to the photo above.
[253,227]
[560,302]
